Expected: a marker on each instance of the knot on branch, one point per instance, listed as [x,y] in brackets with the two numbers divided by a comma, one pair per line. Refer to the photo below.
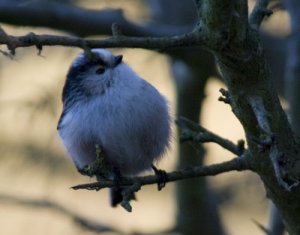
[225,96]
[32,38]
[241,146]
[264,143]
[29,38]
[116,30]
[9,43]
[280,161]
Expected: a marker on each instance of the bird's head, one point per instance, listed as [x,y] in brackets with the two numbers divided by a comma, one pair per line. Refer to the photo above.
[91,73]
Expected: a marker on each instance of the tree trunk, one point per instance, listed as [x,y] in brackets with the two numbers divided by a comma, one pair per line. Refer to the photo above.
[254,101]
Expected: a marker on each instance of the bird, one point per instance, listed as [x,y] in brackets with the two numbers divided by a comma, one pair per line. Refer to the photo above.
[106,104]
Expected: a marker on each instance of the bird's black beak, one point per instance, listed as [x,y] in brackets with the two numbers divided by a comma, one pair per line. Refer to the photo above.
[118,60]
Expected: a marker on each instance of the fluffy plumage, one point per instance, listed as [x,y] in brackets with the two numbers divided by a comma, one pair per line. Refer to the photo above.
[106,103]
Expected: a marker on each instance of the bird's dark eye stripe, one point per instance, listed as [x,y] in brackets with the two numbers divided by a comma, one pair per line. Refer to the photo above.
[86,66]
[77,70]
[96,60]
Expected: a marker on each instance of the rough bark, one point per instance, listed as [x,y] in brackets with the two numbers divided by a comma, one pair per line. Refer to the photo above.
[241,59]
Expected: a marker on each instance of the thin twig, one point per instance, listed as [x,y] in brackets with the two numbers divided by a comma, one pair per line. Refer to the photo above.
[236,164]
[225,96]
[259,12]
[193,132]
[261,227]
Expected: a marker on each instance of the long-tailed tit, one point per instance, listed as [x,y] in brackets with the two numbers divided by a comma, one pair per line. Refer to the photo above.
[106,104]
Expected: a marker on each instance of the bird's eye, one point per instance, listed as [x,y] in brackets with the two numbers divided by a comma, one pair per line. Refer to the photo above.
[100,69]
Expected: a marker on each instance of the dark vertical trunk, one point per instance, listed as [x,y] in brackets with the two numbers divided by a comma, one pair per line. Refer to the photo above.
[197,210]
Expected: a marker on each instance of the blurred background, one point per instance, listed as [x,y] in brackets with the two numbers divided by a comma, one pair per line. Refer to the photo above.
[36,174]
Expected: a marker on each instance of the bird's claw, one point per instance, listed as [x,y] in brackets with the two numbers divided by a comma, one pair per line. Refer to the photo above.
[162,177]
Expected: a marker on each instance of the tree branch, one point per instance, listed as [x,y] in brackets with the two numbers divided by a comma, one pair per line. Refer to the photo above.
[192,131]
[162,43]
[61,16]
[236,164]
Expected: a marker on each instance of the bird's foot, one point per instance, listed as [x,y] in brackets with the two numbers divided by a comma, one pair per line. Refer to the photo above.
[97,168]
[161,176]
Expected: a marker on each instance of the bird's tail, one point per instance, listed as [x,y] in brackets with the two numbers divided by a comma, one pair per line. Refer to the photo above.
[116,196]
